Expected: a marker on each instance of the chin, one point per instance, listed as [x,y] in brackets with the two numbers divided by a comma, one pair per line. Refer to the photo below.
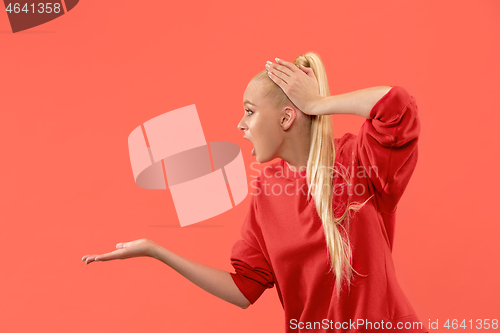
[261,159]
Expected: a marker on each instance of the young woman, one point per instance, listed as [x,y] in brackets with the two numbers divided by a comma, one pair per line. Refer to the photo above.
[322,218]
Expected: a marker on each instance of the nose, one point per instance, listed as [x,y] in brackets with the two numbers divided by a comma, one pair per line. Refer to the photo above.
[241,125]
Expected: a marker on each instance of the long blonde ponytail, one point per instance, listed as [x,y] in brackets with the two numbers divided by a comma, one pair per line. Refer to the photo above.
[320,180]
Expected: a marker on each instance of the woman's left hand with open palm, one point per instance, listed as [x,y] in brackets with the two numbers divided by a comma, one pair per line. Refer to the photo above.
[139,248]
[299,84]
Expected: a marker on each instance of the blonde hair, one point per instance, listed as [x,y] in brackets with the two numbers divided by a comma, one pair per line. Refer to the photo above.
[320,181]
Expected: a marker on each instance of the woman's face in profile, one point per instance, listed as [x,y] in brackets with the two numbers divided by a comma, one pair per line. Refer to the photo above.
[260,124]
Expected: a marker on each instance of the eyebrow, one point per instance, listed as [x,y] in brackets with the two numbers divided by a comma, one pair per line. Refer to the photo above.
[248,102]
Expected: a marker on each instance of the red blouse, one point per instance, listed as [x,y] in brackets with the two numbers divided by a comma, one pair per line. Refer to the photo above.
[283,241]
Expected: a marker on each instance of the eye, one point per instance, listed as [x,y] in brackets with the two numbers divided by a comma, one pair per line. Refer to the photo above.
[247,111]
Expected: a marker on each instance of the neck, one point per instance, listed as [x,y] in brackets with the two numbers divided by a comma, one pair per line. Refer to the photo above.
[296,152]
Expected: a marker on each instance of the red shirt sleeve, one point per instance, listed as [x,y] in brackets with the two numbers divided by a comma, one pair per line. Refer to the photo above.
[253,274]
[387,146]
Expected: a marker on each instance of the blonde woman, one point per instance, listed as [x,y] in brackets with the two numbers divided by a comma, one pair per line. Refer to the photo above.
[322,217]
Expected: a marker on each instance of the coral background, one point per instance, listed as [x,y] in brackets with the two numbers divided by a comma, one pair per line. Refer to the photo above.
[74,88]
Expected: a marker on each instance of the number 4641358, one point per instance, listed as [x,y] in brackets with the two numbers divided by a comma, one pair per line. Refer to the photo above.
[38,8]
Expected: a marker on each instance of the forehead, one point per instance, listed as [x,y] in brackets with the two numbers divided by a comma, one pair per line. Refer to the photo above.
[253,93]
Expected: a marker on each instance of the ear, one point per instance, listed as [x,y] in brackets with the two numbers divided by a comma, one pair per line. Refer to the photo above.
[287,118]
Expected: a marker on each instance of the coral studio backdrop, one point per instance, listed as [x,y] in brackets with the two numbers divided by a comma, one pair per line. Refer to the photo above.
[74,87]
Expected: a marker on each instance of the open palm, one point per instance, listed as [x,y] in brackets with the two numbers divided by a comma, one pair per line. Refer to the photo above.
[138,248]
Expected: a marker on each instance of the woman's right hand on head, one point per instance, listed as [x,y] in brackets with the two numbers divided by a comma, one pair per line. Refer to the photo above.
[299,84]
[138,248]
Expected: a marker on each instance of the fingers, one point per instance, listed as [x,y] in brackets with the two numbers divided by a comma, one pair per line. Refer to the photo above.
[107,256]
[281,72]
[305,69]
[308,70]
[285,66]
[101,257]
[273,76]
[90,258]
[117,254]
[276,79]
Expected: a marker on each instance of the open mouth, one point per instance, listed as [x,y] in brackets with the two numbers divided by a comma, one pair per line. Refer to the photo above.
[253,149]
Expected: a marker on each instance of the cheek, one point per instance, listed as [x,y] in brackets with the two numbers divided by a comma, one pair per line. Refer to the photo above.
[269,135]
[265,131]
